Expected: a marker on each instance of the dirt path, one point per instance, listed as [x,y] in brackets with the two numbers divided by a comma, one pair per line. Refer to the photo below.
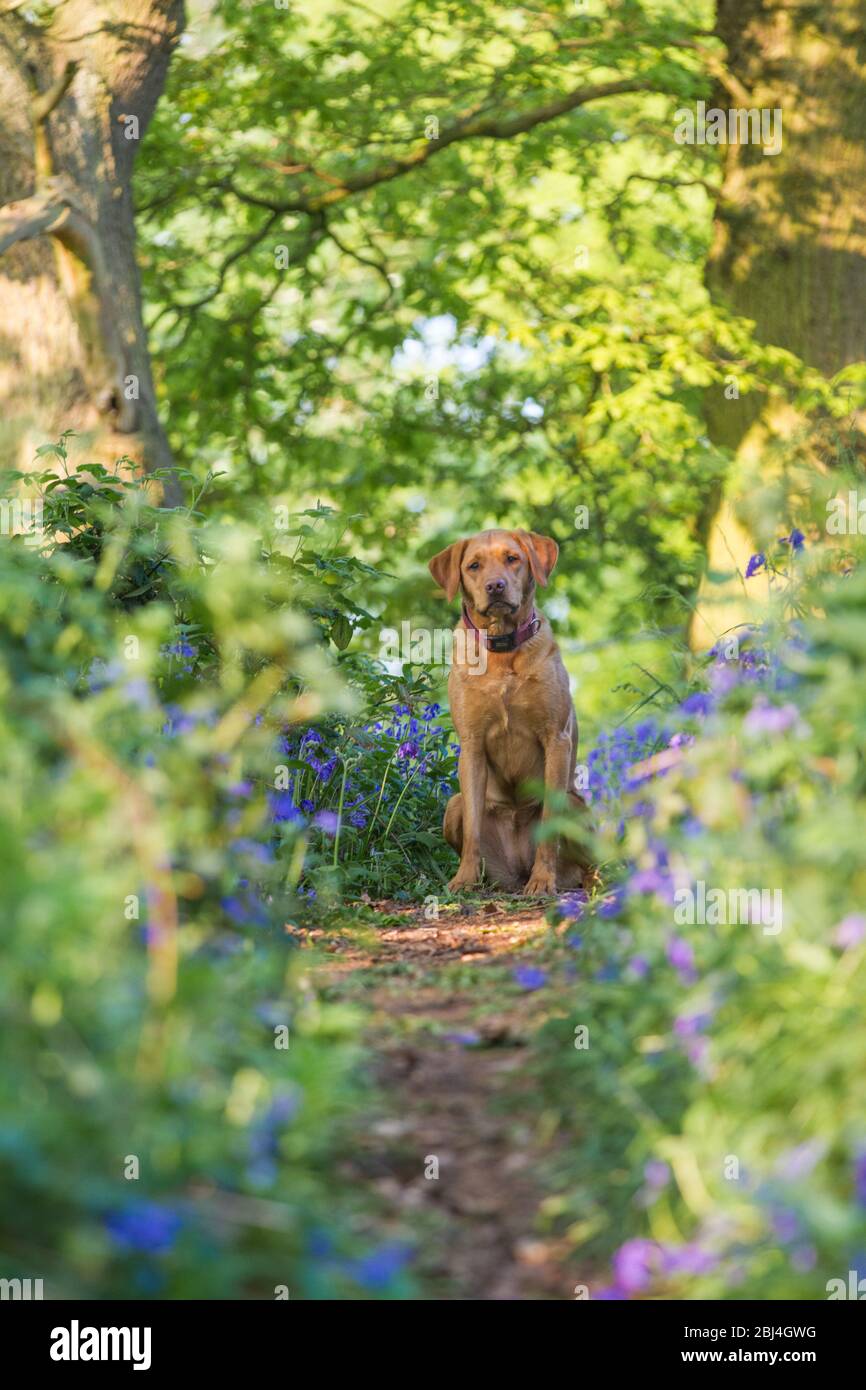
[448,1035]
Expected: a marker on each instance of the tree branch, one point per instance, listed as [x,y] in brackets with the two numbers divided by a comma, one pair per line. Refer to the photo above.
[31,217]
[472,128]
[44,103]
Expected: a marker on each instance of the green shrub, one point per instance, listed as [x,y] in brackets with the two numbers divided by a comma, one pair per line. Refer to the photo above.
[174,1096]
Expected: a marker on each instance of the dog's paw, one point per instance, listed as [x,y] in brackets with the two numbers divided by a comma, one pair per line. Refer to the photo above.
[463,880]
[541,884]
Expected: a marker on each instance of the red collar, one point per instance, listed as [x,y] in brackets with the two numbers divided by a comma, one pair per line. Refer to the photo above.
[507,641]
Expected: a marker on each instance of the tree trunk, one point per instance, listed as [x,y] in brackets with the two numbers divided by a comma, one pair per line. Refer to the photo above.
[76,95]
[790,240]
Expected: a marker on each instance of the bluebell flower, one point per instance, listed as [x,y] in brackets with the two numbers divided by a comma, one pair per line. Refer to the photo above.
[682,958]
[144,1226]
[245,909]
[611,905]
[283,808]
[700,702]
[380,1267]
[764,718]
[756,563]
[246,845]
[571,905]
[607,973]
[529,976]
[634,1263]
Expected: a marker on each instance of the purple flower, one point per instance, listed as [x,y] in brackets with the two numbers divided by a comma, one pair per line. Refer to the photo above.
[611,904]
[656,1174]
[797,1163]
[701,703]
[638,966]
[687,1259]
[764,718]
[690,1025]
[245,909]
[785,1224]
[327,821]
[633,1265]
[409,749]
[283,807]
[244,845]
[607,973]
[796,539]
[144,1226]
[652,881]
[697,1050]
[682,958]
[468,1038]
[756,563]
[572,904]
[850,931]
[529,976]
[380,1267]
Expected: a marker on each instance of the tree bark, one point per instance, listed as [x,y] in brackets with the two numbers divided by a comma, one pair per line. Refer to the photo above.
[789,249]
[76,95]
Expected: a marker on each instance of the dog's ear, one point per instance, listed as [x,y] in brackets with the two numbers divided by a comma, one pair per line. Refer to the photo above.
[541,551]
[445,568]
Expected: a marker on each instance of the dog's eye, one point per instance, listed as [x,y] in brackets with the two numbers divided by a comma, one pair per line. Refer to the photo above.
[512,559]
[474,566]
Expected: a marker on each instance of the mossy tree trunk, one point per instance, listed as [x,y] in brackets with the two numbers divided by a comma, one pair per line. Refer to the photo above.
[789,249]
[76,95]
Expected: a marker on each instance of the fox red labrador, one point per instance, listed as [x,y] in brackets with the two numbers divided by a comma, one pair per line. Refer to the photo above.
[514,716]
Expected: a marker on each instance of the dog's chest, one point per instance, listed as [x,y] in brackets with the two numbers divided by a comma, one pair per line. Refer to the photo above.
[506,712]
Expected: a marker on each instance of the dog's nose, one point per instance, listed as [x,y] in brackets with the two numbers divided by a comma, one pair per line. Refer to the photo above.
[495,586]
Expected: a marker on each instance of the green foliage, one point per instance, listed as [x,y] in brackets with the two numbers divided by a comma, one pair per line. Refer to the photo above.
[149,663]
[717,1107]
[380,276]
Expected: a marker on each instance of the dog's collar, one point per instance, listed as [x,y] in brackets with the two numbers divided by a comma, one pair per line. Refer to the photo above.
[507,641]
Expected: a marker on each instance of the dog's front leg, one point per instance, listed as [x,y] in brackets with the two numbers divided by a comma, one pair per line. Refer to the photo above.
[557,772]
[472,775]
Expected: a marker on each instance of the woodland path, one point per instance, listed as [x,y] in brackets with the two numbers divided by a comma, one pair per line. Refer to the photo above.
[447,1032]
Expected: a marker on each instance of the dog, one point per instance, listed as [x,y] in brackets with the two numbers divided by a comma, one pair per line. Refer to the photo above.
[513,714]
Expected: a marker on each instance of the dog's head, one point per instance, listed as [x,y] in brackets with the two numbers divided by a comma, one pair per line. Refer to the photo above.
[496,570]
